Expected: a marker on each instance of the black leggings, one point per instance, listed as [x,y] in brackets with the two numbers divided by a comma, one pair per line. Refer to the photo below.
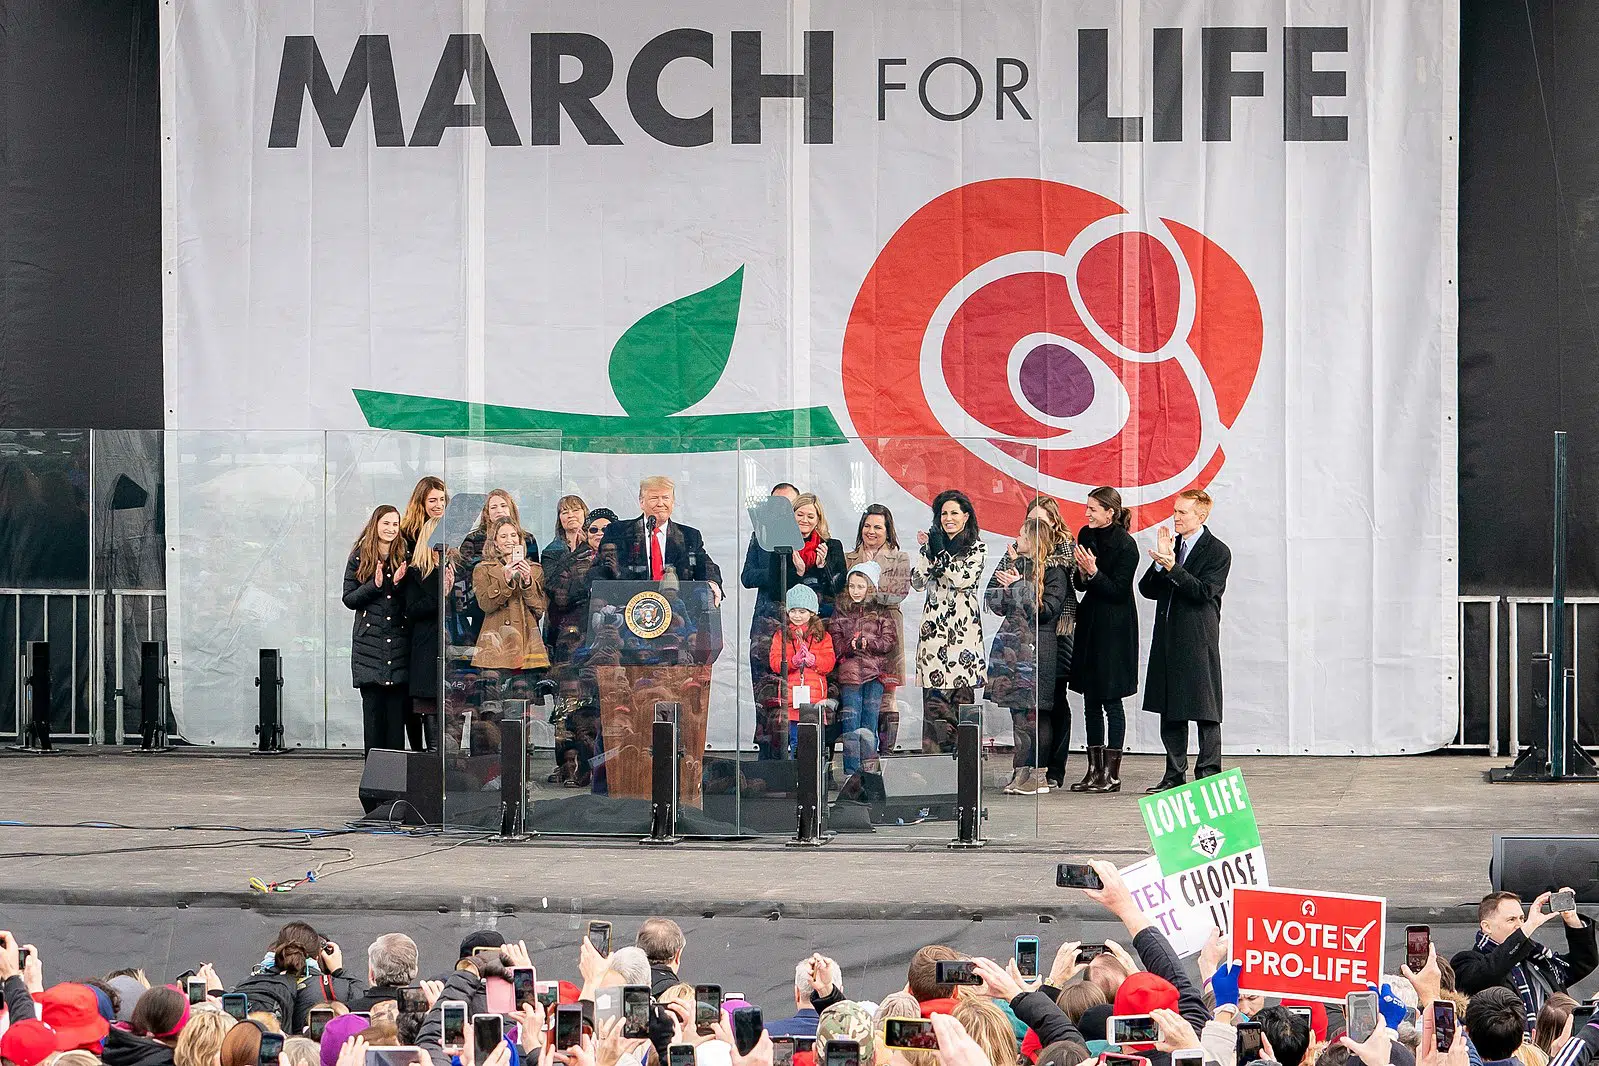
[1095,714]
[383,716]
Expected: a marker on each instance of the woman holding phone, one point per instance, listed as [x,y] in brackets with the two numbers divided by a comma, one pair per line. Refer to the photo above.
[949,649]
[510,587]
[380,643]
[1105,645]
[468,613]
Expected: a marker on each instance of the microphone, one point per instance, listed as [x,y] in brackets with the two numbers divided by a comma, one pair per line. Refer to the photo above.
[649,523]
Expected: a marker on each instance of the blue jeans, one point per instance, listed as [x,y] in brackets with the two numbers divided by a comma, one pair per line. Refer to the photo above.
[860,704]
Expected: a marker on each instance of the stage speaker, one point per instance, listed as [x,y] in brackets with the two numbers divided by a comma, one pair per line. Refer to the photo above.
[912,788]
[1533,864]
[404,787]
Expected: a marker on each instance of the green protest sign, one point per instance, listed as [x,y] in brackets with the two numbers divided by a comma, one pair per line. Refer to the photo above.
[1199,823]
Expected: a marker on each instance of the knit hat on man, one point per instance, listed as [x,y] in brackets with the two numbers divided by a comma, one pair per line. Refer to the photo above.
[482,938]
[1144,992]
[802,596]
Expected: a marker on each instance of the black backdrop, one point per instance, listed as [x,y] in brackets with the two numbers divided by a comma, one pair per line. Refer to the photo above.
[80,271]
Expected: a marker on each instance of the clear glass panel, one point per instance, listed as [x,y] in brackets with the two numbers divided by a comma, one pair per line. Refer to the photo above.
[247,532]
[632,648]
[492,632]
[889,739]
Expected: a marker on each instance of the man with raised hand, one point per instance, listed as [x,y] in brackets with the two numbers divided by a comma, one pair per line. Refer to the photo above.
[1507,956]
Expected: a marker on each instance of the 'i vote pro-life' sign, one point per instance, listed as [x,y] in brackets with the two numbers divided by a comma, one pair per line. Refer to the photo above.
[1307,945]
[1199,823]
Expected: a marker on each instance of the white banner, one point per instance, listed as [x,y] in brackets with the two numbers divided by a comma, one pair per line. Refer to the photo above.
[1051,245]
[1187,906]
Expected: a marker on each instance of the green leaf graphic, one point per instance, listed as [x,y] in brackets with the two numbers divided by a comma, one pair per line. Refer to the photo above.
[671,358]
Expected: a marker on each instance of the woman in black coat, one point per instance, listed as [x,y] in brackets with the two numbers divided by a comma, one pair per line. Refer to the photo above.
[426,579]
[1105,645]
[380,643]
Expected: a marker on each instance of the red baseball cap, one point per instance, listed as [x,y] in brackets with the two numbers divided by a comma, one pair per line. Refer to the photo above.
[74,1013]
[1144,992]
[28,1043]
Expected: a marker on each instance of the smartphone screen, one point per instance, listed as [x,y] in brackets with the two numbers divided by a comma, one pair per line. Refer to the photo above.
[707,1007]
[1132,1029]
[413,1000]
[747,1026]
[1249,1043]
[782,1051]
[524,985]
[271,1048]
[1090,952]
[1191,1056]
[600,936]
[842,1053]
[683,1055]
[549,993]
[1027,956]
[636,1011]
[488,1030]
[1360,1015]
[956,972]
[1076,875]
[452,1015]
[1418,938]
[196,989]
[915,1034]
[316,1020]
[236,1005]
[1443,1023]
[569,1027]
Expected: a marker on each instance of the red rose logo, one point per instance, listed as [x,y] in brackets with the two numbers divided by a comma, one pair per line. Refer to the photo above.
[1017,337]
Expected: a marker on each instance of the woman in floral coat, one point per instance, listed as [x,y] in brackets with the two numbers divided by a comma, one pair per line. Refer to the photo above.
[949,653]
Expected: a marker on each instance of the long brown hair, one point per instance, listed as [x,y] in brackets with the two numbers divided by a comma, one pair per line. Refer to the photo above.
[367,544]
[1111,500]
[416,509]
[1057,522]
[1043,541]
[573,503]
[491,550]
[891,541]
[483,518]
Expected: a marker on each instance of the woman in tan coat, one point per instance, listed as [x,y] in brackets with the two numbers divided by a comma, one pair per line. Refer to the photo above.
[510,588]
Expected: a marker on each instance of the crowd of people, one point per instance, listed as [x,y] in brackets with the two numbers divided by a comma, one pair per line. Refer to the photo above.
[828,634]
[647,1004]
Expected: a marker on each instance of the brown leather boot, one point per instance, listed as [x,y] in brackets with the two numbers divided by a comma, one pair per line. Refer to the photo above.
[1096,760]
[1110,773]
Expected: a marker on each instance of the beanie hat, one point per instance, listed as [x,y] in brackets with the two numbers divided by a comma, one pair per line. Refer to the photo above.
[802,596]
[73,1012]
[870,570]
[483,938]
[1144,992]
[337,1033]
[128,991]
[28,1043]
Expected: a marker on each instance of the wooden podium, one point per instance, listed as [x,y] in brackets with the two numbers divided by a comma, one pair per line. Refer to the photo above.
[649,643]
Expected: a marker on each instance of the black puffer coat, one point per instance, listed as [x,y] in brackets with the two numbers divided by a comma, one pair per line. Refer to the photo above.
[380,643]
[422,611]
[126,1049]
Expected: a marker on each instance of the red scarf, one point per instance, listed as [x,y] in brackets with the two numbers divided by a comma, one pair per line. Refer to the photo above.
[808,551]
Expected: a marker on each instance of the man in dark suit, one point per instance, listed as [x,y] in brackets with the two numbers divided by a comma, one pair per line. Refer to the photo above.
[646,547]
[1183,684]
[652,547]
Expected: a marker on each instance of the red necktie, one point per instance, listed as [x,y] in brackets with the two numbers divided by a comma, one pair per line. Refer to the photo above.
[657,564]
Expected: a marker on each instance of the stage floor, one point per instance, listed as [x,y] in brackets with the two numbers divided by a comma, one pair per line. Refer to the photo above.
[1417,830]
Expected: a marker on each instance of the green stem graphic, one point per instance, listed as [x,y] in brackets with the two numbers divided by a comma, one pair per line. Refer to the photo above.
[613,434]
